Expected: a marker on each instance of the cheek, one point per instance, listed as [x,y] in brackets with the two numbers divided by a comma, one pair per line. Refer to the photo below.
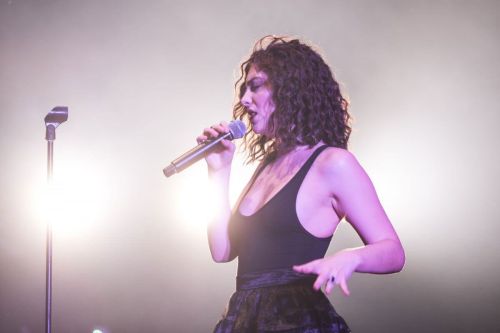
[269,105]
[270,108]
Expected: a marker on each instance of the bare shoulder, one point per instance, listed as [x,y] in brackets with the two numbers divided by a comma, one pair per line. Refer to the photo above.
[341,172]
[337,161]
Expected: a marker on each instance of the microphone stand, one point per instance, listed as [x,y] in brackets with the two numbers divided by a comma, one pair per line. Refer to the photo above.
[54,118]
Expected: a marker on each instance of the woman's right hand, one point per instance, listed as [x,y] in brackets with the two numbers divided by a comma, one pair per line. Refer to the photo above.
[222,156]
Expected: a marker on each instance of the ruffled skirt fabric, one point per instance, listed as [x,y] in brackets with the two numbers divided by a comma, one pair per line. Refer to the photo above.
[279,301]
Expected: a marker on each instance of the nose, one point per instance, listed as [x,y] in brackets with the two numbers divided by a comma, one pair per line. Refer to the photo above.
[246,99]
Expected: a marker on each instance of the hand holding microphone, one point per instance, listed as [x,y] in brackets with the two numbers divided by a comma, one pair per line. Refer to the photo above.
[222,155]
[215,139]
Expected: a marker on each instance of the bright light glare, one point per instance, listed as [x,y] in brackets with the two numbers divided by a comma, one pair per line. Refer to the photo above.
[74,201]
[240,176]
[198,201]
[196,204]
[101,329]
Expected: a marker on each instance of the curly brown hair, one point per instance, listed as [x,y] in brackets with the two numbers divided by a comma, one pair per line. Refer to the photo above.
[309,106]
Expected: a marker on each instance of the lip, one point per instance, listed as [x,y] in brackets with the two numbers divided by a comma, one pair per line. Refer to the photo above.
[251,113]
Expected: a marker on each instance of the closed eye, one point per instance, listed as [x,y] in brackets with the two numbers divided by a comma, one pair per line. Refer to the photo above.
[254,87]
[254,84]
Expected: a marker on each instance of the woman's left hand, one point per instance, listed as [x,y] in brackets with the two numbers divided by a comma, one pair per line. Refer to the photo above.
[339,266]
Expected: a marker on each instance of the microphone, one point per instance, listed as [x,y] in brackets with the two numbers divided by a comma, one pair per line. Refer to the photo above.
[236,131]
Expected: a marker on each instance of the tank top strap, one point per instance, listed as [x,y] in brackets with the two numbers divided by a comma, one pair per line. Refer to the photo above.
[301,174]
[297,179]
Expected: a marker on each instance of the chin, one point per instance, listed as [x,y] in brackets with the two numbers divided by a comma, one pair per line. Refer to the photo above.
[259,128]
[256,129]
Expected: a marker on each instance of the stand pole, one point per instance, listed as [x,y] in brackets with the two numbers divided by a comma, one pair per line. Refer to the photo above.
[48,267]
[54,118]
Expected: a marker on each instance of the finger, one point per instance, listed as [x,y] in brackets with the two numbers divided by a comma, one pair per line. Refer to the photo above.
[302,268]
[307,267]
[343,286]
[220,128]
[210,132]
[330,284]
[227,144]
[201,138]
[320,281]
[225,126]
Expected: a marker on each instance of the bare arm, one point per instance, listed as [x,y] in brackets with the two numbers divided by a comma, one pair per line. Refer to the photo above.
[218,228]
[357,201]
[219,170]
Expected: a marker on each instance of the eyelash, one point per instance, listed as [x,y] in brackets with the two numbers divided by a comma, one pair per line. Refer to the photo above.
[253,87]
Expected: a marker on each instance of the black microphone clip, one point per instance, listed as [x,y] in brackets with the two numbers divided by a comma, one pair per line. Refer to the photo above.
[54,118]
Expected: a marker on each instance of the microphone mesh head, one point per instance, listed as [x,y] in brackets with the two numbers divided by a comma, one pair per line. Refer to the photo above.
[237,129]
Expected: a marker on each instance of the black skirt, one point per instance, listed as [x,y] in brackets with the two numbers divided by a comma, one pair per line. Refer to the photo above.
[279,301]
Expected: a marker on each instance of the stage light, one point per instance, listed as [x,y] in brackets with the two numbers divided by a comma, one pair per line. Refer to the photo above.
[100,330]
[75,200]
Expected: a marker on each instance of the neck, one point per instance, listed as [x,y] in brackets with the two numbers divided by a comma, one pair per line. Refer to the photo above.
[298,148]
[293,150]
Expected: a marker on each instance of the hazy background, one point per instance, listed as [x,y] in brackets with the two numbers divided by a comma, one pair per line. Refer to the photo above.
[141,80]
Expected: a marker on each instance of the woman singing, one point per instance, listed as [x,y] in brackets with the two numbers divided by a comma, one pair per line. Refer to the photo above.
[305,184]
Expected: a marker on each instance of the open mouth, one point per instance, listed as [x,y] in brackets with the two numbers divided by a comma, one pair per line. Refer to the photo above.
[251,114]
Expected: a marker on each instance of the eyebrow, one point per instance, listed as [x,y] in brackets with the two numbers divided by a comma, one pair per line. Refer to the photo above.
[256,78]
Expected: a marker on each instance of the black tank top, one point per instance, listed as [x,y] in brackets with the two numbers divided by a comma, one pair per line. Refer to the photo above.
[273,237]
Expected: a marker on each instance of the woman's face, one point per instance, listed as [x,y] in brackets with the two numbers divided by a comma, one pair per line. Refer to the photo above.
[258,101]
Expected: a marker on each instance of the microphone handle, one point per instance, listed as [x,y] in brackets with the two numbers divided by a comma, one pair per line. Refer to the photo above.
[194,155]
